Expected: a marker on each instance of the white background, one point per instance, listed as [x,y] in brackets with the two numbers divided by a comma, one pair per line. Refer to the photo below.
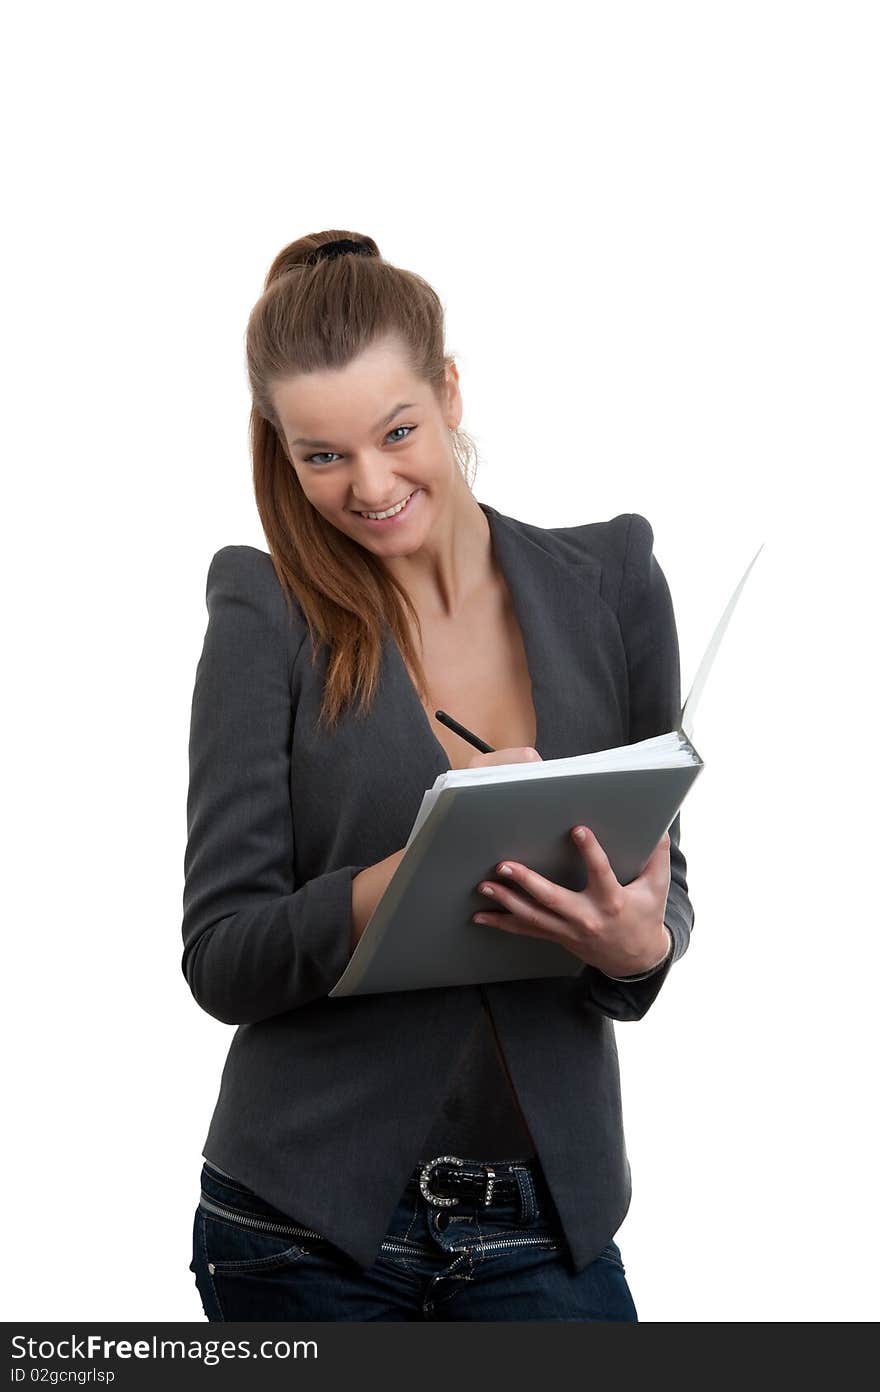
[656,237]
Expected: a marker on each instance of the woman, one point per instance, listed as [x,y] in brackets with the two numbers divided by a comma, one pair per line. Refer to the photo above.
[449,1154]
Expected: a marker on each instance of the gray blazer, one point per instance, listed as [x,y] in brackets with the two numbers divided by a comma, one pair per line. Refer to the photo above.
[323,1104]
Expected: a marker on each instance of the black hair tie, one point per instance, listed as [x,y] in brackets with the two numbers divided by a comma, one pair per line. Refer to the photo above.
[330,250]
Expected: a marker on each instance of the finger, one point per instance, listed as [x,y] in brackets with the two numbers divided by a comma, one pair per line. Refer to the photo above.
[518,755]
[531,923]
[550,895]
[661,849]
[525,915]
[602,882]
[522,914]
[658,865]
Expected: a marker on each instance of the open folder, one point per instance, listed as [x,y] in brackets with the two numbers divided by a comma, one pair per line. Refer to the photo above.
[420,934]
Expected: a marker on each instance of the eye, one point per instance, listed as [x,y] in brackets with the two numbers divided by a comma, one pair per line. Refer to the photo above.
[313,458]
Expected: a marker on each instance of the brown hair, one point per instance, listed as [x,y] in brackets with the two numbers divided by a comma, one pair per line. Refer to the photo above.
[316,315]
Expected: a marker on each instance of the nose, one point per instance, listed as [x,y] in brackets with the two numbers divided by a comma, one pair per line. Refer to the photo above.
[373,485]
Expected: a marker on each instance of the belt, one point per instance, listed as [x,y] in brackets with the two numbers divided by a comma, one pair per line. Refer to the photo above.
[480,1183]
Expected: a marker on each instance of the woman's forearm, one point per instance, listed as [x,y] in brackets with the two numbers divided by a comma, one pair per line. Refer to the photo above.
[367,888]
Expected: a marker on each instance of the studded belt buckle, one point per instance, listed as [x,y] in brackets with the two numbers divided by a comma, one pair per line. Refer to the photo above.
[425,1175]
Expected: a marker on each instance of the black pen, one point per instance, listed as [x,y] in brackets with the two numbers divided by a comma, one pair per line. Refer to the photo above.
[468,735]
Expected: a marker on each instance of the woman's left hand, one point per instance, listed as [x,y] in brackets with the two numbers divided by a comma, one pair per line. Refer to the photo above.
[617,928]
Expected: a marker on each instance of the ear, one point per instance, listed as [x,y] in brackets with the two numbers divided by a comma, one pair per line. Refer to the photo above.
[453,411]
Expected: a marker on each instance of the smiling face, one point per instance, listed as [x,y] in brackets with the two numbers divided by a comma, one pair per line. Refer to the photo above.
[368,437]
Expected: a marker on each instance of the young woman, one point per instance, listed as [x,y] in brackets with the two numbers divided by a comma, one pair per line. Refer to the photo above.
[444,1154]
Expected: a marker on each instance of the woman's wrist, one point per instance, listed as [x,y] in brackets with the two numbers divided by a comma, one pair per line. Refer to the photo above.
[649,971]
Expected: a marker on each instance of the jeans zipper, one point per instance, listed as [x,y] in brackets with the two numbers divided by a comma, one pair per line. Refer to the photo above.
[513,1242]
[249,1222]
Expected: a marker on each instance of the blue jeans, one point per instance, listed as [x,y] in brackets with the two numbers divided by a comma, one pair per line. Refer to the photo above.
[507,1261]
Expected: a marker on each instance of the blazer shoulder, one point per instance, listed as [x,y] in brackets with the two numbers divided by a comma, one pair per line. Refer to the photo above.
[621,543]
[245,576]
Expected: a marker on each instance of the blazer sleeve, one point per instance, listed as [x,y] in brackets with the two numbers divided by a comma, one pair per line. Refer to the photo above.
[650,638]
[255,943]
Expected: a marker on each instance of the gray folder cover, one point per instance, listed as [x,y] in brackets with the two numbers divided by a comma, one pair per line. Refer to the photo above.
[420,934]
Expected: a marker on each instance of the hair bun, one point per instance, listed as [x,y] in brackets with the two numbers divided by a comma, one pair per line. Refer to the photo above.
[341,247]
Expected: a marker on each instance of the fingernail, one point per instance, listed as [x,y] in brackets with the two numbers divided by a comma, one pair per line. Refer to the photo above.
[580,833]
[504,870]
[486,889]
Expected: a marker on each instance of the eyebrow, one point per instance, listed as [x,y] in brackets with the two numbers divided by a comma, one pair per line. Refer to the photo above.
[328,444]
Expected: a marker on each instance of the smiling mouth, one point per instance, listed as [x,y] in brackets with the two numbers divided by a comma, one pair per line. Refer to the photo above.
[385,514]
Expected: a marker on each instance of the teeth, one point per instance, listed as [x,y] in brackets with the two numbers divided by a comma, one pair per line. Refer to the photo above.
[391,512]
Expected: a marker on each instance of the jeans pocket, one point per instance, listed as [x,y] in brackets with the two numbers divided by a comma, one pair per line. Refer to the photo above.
[240,1233]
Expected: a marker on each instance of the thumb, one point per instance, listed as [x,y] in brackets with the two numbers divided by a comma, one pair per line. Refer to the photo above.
[657,865]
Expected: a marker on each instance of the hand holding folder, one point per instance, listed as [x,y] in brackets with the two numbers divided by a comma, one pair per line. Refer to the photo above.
[421,935]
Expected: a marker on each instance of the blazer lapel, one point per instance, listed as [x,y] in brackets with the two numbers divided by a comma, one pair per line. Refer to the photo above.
[571,638]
